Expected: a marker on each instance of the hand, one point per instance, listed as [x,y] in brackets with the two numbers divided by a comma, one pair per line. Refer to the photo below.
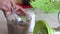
[20,11]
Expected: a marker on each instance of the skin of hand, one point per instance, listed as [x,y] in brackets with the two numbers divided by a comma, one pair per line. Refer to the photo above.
[7,6]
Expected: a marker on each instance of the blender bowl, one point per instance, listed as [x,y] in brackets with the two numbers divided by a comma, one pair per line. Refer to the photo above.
[18,24]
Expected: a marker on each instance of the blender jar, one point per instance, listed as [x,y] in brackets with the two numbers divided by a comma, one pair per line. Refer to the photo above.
[18,24]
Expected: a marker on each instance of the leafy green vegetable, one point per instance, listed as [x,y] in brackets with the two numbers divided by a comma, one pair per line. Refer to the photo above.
[46,5]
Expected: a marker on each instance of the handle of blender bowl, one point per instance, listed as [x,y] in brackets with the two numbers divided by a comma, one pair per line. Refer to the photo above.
[32,22]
